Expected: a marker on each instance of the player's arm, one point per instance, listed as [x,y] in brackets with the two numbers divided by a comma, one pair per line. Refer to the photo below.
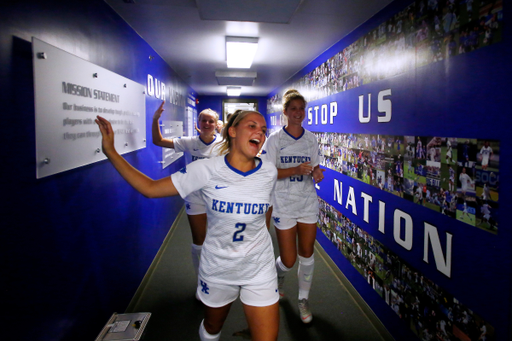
[143,184]
[155,130]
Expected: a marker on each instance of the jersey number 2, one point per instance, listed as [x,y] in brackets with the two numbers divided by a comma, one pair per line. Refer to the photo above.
[236,236]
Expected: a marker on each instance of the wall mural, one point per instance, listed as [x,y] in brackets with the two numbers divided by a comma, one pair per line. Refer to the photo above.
[406,132]
[431,312]
[425,32]
[457,177]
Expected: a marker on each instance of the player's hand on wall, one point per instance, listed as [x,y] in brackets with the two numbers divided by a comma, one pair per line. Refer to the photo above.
[107,134]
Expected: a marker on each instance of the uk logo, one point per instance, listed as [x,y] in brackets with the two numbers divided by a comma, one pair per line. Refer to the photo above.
[276,220]
[183,170]
[187,206]
[205,288]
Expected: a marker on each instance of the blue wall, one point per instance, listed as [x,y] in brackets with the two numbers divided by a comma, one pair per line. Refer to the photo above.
[75,245]
[463,96]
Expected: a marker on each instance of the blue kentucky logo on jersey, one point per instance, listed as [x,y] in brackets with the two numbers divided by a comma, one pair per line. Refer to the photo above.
[183,170]
[187,206]
[205,288]
[276,220]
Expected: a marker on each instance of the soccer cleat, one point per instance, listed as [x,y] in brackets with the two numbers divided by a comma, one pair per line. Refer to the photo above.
[280,286]
[305,313]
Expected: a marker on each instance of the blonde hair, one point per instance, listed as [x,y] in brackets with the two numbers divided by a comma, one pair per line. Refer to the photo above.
[289,96]
[208,112]
[234,120]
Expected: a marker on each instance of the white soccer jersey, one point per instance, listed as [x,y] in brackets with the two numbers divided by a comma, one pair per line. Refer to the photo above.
[294,196]
[465,181]
[485,152]
[238,248]
[196,146]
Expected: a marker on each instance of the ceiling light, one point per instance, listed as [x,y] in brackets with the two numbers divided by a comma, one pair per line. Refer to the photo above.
[244,78]
[240,51]
[234,90]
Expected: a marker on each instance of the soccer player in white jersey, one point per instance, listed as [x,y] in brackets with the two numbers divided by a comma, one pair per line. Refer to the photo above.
[296,154]
[237,257]
[485,154]
[200,147]
[465,181]
[449,151]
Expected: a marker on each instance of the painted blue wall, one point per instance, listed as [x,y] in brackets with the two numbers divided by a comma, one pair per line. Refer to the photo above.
[75,245]
[463,96]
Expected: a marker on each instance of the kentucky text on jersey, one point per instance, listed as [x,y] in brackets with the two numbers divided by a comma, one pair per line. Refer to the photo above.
[295,159]
[194,158]
[238,207]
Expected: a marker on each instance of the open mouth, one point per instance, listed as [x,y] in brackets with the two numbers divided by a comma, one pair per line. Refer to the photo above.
[255,142]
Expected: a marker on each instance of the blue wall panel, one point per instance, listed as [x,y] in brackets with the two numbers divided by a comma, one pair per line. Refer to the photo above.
[75,245]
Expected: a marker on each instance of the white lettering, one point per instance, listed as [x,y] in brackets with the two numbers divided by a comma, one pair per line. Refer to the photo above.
[367,200]
[363,119]
[334,111]
[351,200]
[406,243]
[382,215]
[150,86]
[384,106]
[324,114]
[443,265]
[337,191]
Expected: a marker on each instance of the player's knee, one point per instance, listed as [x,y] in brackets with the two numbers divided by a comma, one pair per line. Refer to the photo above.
[289,261]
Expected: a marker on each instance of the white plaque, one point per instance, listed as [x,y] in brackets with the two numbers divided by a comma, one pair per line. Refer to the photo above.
[69,93]
[171,130]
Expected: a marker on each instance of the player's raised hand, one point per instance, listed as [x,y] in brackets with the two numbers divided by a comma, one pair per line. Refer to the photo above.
[107,134]
[159,111]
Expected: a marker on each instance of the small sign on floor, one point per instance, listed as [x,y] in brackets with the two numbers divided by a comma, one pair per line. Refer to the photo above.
[124,327]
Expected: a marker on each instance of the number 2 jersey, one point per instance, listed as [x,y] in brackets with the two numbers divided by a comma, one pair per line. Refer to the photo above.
[295,196]
[238,247]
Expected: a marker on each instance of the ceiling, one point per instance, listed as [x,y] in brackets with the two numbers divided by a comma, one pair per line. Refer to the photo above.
[190,35]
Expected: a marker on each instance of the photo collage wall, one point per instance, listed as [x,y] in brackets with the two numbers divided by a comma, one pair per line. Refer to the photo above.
[427,31]
[457,177]
[429,311]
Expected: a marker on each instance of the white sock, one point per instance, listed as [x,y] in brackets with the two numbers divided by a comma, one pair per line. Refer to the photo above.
[305,274]
[281,268]
[195,250]
[205,336]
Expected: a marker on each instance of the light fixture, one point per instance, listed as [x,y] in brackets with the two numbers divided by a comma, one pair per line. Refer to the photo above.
[236,77]
[240,51]
[234,90]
